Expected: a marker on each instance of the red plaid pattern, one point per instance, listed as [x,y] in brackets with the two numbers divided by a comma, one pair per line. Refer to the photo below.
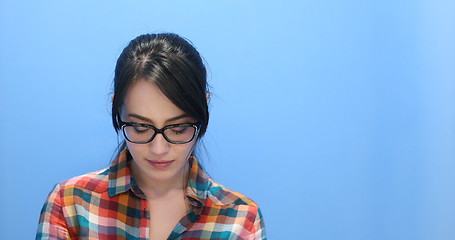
[108,204]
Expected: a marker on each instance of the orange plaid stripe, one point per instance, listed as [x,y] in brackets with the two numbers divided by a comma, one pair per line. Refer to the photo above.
[108,204]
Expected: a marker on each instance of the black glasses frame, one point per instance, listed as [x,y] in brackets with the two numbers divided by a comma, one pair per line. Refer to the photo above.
[160,131]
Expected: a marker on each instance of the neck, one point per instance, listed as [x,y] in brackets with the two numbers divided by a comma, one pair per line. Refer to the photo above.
[157,188]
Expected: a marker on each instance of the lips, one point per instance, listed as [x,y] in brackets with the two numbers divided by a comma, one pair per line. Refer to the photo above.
[160,164]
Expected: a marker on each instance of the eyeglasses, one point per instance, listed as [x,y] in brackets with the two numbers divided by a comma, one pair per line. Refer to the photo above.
[144,133]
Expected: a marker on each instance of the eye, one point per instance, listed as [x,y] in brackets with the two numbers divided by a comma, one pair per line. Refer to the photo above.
[179,130]
[140,129]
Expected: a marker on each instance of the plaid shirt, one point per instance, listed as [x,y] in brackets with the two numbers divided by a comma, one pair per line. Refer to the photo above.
[108,204]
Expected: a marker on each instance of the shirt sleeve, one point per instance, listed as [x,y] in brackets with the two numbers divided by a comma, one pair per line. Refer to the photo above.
[259,227]
[52,224]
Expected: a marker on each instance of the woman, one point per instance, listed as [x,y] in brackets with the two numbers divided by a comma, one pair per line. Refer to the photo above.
[155,188]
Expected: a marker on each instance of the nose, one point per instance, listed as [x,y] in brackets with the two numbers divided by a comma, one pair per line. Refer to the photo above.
[159,145]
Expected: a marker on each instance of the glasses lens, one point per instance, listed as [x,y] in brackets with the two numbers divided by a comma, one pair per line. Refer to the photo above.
[180,134]
[138,134]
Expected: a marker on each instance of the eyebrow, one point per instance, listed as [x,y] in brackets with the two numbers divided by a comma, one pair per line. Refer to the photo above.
[150,121]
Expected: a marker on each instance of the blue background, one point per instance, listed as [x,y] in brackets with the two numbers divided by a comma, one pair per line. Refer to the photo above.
[336,117]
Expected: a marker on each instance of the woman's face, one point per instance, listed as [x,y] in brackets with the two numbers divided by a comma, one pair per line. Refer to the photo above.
[157,160]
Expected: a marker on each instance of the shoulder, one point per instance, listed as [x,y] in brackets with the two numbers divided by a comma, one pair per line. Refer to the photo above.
[220,195]
[94,181]
[232,212]
[60,209]
[202,187]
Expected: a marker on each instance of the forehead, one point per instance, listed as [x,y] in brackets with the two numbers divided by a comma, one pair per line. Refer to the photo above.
[145,99]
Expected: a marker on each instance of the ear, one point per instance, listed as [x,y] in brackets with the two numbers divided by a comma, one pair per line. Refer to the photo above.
[112,98]
[207,96]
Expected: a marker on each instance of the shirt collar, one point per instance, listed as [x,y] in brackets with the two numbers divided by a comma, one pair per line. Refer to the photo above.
[198,183]
[121,180]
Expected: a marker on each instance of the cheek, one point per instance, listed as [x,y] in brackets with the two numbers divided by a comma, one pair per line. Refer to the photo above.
[136,149]
[175,150]
[186,149]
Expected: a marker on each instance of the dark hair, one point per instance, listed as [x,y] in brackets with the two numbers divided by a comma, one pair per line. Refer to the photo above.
[170,62]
